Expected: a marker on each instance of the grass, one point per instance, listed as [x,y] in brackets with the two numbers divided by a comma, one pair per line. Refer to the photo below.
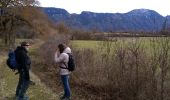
[8,80]
[94,44]
[143,66]
[8,83]
[85,44]
[145,42]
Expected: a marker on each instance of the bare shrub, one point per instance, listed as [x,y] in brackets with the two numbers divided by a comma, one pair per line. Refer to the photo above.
[81,35]
[124,72]
[117,70]
[48,49]
[62,28]
[164,65]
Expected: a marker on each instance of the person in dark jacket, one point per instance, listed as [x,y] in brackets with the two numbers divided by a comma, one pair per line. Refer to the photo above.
[24,62]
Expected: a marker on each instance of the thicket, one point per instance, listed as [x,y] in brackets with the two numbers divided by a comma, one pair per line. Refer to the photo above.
[119,70]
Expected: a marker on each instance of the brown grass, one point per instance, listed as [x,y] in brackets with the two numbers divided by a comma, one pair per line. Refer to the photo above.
[127,72]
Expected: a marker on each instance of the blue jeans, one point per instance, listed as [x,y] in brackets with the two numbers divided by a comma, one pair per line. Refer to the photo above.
[66,86]
[22,87]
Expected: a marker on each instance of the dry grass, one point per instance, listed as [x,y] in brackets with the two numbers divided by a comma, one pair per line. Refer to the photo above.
[8,83]
[130,71]
[127,72]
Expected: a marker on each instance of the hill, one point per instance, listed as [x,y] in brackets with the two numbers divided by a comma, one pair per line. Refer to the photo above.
[138,20]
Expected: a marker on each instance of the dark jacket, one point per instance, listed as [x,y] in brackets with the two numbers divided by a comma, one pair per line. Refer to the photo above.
[23,61]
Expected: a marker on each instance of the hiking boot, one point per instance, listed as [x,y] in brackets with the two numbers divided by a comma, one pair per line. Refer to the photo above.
[23,98]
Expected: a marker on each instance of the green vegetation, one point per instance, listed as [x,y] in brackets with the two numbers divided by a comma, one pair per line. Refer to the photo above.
[8,83]
[131,65]
[85,44]
[128,67]
[144,42]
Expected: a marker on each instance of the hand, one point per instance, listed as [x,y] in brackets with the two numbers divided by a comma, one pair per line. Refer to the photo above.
[57,50]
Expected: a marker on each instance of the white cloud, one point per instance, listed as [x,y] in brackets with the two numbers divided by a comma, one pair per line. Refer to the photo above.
[112,6]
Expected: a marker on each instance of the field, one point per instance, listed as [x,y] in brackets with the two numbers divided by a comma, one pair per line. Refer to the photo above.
[143,42]
[132,68]
[118,69]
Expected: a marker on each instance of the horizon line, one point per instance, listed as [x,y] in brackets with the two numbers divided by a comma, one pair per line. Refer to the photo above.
[108,12]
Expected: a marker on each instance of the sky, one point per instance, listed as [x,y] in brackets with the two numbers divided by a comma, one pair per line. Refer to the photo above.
[108,6]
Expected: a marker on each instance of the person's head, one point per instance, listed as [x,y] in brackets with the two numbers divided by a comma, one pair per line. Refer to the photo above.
[25,45]
[61,47]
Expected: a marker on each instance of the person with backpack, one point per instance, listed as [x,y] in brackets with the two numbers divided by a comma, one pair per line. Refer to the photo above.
[62,57]
[23,67]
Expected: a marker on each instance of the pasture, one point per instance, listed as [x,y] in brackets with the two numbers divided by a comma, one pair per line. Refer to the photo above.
[119,69]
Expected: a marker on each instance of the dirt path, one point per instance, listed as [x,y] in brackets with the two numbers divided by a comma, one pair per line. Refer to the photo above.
[8,83]
[1,77]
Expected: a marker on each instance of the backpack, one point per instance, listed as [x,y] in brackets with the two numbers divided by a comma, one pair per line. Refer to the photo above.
[71,63]
[11,61]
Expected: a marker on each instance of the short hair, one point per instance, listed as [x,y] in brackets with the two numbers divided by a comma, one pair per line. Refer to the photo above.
[25,44]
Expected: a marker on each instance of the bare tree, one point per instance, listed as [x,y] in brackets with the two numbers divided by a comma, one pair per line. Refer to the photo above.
[11,17]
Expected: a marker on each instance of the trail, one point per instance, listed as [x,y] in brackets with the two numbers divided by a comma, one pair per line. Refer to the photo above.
[8,83]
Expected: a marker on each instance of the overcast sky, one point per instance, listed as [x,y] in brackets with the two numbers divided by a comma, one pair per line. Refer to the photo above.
[108,6]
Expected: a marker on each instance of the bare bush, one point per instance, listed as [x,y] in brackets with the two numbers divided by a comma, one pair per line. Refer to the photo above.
[125,72]
[48,49]
[81,35]
[117,70]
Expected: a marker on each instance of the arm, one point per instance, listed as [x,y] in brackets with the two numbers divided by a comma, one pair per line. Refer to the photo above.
[60,58]
[24,65]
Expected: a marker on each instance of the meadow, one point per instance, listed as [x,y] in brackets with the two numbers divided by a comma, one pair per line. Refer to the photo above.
[118,69]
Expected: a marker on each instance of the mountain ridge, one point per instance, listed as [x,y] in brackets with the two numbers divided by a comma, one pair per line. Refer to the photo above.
[137,20]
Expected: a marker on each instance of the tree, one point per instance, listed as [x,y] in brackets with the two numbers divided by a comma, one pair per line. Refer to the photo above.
[12,17]
[62,28]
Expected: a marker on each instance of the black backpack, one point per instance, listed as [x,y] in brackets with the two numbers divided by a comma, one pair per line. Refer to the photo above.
[11,61]
[71,63]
